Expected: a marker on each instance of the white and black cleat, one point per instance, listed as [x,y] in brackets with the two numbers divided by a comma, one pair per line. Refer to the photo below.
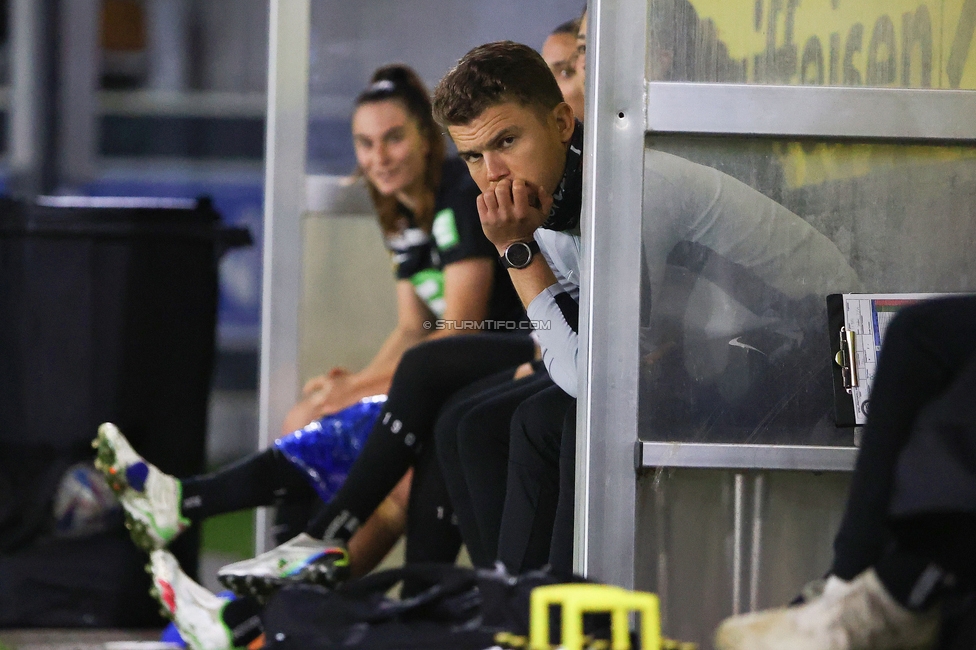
[302,559]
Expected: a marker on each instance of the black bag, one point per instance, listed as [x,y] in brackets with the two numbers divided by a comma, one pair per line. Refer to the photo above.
[90,582]
[29,478]
[958,624]
[106,314]
[455,608]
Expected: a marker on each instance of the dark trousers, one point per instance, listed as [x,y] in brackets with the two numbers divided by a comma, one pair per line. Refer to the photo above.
[513,481]
[563,528]
[472,435]
[537,524]
[926,348]
[933,505]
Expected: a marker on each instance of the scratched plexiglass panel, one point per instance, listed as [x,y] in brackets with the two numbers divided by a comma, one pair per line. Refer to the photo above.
[743,240]
[881,43]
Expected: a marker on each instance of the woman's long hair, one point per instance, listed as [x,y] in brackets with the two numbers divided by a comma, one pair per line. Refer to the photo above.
[397,82]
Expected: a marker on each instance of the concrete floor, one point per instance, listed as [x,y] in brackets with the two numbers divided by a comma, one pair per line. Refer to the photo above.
[82,640]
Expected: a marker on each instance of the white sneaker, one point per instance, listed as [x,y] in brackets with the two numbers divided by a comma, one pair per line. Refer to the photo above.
[196,612]
[855,615]
[151,499]
[300,559]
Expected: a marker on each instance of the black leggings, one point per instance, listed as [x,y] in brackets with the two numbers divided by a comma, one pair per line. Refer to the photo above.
[925,348]
[426,377]
[263,479]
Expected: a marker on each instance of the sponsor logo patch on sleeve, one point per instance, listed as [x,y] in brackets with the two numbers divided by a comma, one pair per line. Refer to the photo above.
[445,229]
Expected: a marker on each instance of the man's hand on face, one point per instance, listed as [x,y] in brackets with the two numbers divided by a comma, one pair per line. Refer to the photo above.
[511,211]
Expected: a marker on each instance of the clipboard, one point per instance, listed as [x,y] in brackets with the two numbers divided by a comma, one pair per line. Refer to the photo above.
[857,323]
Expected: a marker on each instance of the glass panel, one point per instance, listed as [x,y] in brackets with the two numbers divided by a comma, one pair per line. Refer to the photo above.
[351,39]
[887,43]
[734,342]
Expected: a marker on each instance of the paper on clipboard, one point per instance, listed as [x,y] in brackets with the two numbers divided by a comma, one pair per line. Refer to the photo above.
[866,319]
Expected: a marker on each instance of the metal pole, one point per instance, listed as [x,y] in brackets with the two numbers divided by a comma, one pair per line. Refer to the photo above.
[610,292]
[169,44]
[78,59]
[32,96]
[284,190]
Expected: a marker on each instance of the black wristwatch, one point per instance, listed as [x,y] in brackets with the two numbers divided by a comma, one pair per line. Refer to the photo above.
[519,255]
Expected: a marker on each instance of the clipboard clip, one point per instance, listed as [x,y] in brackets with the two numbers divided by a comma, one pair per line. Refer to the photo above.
[845,358]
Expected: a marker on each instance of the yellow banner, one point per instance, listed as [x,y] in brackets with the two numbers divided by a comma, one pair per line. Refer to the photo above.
[810,164]
[890,43]
[882,43]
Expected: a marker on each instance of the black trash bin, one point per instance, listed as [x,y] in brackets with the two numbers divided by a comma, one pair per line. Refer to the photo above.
[107,313]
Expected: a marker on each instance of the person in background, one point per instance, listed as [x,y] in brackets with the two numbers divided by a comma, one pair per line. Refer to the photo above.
[446,274]
[480,435]
[424,203]
[560,53]
[421,200]
[907,540]
[524,148]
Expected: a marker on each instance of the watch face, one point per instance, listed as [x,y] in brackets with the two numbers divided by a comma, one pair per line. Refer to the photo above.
[519,254]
